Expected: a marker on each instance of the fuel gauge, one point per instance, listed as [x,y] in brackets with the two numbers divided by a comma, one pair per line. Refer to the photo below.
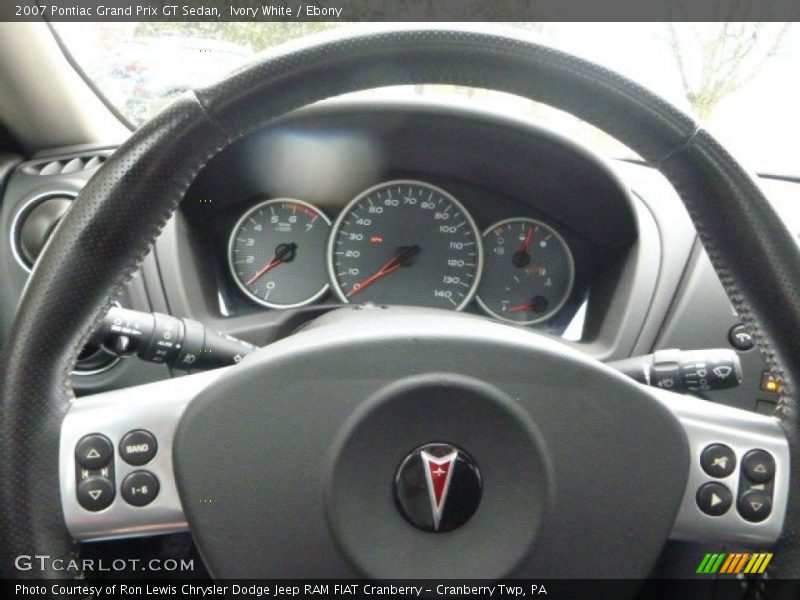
[528,271]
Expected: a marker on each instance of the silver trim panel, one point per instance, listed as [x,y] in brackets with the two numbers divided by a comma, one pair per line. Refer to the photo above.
[155,407]
[708,423]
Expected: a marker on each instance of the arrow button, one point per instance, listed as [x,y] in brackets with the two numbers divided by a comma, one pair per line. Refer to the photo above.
[754,505]
[95,493]
[714,499]
[758,466]
[94,451]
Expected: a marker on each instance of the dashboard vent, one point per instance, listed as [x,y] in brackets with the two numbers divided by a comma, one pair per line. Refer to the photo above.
[64,166]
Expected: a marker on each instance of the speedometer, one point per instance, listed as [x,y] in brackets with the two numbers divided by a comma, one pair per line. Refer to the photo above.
[408,243]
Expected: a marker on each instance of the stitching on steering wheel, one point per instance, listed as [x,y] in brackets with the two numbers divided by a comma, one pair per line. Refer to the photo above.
[658,163]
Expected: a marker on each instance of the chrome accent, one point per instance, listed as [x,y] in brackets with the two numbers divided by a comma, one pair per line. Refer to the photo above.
[111,364]
[336,288]
[156,407]
[232,240]
[86,373]
[570,260]
[27,206]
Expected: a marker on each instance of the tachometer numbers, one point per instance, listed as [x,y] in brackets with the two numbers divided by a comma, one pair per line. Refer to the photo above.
[277,253]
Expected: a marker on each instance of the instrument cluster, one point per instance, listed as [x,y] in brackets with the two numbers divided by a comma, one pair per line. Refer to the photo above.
[402,242]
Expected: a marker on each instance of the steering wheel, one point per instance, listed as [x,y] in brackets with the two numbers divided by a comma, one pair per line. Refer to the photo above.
[312,456]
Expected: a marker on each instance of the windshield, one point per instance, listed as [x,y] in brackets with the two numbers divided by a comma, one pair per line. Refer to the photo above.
[740,79]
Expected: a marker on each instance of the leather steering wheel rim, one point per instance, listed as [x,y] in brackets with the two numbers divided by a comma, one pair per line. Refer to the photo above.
[120,212]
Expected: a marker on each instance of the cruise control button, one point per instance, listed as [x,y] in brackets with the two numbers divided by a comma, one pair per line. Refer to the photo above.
[754,506]
[140,488]
[718,460]
[714,499]
[758,466]
[138,447]
[94,451]
[95,493]
[740,338]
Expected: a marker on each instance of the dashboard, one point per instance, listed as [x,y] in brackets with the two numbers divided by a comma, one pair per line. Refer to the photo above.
[411,203]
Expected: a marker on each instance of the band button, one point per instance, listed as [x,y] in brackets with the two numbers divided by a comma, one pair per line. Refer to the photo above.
[138,447]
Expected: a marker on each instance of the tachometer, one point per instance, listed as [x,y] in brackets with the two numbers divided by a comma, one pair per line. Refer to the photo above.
[407,243]
[277,253]
[529,271]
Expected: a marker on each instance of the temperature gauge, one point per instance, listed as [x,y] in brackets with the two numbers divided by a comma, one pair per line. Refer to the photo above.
[528,271]
[277,253]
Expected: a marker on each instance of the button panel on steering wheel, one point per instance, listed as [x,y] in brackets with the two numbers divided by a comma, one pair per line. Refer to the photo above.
[749,459]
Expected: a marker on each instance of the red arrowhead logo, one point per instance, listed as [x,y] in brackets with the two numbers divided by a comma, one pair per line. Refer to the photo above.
[438,472]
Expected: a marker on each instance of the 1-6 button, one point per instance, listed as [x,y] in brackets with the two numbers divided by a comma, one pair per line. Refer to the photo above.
[140,488]
[94,451]
[138,447]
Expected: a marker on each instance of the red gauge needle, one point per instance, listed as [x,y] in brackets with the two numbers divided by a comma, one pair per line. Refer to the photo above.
[399,260]
[522,257]
[521,307]
[537,304]
[283,253]
[527,242]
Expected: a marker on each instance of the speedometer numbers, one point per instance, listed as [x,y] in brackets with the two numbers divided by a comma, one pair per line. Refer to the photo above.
[407,243]
[276,253]
[529,271]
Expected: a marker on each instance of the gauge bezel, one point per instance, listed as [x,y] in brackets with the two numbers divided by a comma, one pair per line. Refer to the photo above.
[334,284]
[231,241]
[570,261]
